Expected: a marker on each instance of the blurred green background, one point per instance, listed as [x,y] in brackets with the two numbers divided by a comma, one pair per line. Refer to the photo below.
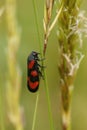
[29,42]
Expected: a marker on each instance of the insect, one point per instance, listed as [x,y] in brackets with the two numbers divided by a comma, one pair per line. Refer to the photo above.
[33,71]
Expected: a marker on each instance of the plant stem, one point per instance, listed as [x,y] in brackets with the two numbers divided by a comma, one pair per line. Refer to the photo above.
[47,18]
[48,100]
[37,27]
[45,77]
[35,112]
[1,109]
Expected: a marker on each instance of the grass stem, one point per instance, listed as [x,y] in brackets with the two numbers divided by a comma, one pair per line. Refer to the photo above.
[1,109]
[48,100]
[37,28]
[45,75]
[35,112]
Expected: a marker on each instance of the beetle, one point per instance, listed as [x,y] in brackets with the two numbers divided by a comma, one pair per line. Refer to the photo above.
[33,71]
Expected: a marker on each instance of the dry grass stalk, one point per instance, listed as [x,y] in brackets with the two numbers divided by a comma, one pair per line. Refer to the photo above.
[47,17]
[48,25]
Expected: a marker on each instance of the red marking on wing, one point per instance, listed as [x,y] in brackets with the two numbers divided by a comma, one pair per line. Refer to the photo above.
[33,85]
[34,73]
[31,64]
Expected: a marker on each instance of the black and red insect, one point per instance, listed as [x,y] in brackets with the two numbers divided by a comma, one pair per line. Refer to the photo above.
[33,71]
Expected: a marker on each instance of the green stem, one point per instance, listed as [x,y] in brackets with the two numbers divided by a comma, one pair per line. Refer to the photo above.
[37,27]
[38,34]
[45,76]
[48,100]
[35,112]
[1,110]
